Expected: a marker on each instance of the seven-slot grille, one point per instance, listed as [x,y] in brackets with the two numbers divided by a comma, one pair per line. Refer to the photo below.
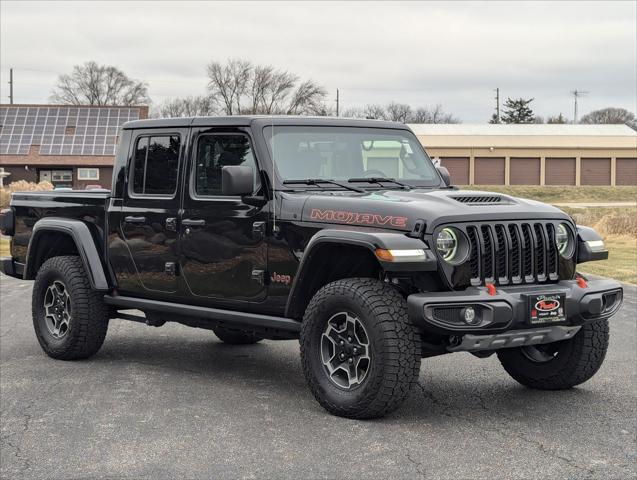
[512,252]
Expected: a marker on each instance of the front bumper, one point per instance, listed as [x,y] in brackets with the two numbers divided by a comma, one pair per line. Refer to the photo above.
[507,309]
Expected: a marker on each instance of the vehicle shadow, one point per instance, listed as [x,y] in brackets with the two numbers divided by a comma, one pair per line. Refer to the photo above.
[274,368]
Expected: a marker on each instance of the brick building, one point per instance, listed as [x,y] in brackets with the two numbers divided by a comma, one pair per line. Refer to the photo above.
[70,146]
[534,154]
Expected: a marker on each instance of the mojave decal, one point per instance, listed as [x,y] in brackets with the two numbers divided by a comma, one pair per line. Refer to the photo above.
[357,218]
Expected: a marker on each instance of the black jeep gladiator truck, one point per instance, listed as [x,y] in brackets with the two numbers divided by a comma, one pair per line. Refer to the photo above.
[339,232]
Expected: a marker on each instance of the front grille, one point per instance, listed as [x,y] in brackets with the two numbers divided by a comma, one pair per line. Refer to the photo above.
[512,252]
[447,314]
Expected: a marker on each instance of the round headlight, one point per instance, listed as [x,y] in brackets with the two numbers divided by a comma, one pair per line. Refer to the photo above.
[452,246]
[563,240]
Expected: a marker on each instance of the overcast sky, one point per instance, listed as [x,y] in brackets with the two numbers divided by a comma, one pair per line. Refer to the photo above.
[451,53]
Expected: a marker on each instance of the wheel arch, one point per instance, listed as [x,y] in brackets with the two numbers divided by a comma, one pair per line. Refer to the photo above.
[336,254]
[61,236]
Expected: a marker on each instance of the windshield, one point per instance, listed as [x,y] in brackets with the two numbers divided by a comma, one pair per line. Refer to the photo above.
[350,153]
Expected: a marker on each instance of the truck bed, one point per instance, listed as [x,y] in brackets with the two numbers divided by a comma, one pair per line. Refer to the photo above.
[88,206]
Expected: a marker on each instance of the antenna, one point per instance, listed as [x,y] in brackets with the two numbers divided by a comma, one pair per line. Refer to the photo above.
[576,94]
[272,179]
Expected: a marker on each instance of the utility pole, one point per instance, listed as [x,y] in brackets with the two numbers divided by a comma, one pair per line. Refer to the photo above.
[576,94]
[11,86]
[337,102]
[497,105]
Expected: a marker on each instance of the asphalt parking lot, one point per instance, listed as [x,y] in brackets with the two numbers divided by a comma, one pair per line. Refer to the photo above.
[174,402]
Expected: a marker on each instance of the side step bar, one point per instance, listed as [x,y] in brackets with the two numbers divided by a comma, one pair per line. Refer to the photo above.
[515,338]
[204,317]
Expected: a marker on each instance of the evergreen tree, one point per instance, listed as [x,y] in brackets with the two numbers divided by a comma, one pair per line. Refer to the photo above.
[518,111]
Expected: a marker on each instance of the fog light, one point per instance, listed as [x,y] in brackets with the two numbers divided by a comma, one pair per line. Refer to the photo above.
[469,316]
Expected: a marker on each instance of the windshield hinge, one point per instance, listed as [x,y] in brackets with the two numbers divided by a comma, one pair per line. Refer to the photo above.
[418,230]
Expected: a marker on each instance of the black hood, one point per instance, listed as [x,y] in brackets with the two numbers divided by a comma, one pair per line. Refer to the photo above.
[400,210]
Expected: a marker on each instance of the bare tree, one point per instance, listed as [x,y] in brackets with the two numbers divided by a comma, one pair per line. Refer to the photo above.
[307,99]
[93,84]
[557,119]
[354,112]
[609,115]
[398,112]
[402,112]
[432,115]
[375,111]
[198,106]
[244,88]
[229,83]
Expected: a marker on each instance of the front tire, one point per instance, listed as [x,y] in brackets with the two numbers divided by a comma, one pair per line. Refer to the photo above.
[359,353]
[559,365]
[69,317]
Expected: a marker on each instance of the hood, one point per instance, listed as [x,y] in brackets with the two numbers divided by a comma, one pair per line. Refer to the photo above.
[400,210]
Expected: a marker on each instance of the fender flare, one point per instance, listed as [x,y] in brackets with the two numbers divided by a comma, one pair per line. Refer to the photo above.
[588,247]
[84,243]
[368,240]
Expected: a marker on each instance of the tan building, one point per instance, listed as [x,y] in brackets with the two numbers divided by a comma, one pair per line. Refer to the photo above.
[69,146]
[533,154]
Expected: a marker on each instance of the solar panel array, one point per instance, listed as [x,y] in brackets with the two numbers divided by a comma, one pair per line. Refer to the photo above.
[62,130]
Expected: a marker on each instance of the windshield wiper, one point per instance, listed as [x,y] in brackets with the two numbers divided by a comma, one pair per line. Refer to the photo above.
[318,181]
[379,181]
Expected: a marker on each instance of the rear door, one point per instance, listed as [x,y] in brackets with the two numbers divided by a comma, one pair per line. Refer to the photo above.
[150,210]
[222,245]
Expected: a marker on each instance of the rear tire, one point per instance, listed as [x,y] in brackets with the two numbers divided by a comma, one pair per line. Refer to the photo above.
[560,365]
[359,353]
[69,317]
[236,337]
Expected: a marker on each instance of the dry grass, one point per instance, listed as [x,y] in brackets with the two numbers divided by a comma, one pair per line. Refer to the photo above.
[622,260]
[21,186]
[557,194]
[607,221]
[618,226]
[4,247]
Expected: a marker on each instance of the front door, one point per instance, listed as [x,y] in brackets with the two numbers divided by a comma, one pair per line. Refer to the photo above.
[150,211]
[222,245]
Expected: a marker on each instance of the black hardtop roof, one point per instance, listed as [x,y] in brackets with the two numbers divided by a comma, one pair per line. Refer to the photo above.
[262,120]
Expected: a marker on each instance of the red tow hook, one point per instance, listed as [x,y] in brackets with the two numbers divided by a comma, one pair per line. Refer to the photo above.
[581,281]
[491,289]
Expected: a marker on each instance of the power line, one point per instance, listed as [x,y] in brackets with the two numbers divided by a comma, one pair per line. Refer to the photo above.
[497,105]
[11,86]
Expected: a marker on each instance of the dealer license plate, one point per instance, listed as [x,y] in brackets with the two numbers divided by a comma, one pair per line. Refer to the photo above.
[547,308]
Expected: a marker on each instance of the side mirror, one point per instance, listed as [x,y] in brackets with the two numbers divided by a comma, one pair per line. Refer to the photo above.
[237,180]
[444,173]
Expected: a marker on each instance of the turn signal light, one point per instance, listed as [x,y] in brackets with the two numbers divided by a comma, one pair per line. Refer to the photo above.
[411,255]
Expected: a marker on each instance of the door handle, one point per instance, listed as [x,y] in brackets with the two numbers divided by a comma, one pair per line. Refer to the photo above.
[258,230]
[135,220]
[189,222]
[171,224]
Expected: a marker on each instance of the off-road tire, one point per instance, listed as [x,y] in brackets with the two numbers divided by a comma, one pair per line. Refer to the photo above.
[577,360]
[236,337]
[395,348]
[89,315]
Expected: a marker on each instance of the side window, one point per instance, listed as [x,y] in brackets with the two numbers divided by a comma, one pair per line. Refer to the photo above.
[215,152]
[155,165]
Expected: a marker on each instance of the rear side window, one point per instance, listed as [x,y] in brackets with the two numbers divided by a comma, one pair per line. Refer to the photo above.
[155,165]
